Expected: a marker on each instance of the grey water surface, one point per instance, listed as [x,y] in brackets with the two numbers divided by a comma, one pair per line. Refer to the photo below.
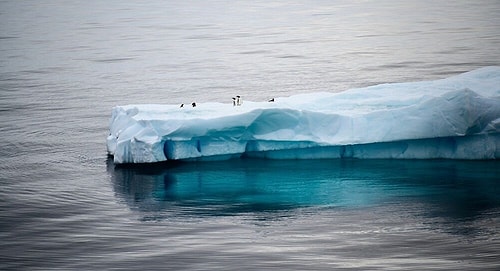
[65,206]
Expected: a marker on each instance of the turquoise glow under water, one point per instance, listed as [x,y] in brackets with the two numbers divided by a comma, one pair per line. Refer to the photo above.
[459,189]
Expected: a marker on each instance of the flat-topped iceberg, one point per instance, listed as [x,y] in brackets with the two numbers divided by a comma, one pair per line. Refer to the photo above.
[454,118]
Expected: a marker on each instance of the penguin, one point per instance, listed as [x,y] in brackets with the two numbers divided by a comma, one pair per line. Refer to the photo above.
[193,104]
[182,105]
[238,100]
[234,101]
[272,100]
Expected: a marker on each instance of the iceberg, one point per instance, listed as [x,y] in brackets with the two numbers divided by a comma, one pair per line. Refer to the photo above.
[452,118]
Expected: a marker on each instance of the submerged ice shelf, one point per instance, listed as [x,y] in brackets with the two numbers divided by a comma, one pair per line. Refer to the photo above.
[455,118]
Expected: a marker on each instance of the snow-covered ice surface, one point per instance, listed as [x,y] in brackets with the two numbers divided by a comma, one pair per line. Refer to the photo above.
[455,118]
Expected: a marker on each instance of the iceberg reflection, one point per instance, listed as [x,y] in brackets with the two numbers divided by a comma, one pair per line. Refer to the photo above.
[461,189]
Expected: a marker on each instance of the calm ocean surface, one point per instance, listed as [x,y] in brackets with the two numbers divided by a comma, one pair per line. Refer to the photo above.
[65,206]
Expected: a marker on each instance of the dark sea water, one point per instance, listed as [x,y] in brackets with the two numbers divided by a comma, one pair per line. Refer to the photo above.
[65,206]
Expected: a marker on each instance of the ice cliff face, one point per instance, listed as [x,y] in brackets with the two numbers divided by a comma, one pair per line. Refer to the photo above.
[457,118]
